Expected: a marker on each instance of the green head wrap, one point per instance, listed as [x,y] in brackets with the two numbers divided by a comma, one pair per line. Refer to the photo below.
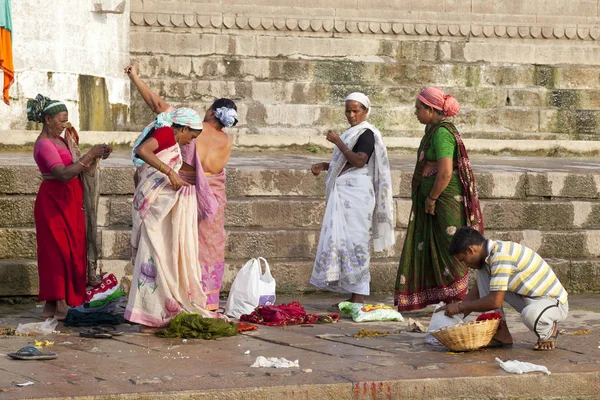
[42,106]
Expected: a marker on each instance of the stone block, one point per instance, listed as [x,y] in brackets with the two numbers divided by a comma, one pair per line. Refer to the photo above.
[419,51]
[563,98]
[275,213]
[520,119]
[182,44]
[117,180]
[577,77]
[558,121]
[588,99]
[584,276]
[120,268]
[509,7]
[18,278]
[115,244]
[19,180]
[17,243]
[526,97]
[587,121]
[505,214]
[275,243]
[120,211]
[562,244]
[16,211]
[508,75]
[560,184]
[274,183]
[500,52]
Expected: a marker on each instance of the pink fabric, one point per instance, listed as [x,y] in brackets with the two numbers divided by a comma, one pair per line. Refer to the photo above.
[48,155]
[211,239]
[207,202]
[436,98]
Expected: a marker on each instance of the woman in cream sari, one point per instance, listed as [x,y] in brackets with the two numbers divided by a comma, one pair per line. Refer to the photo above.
[359,205]
[166,279]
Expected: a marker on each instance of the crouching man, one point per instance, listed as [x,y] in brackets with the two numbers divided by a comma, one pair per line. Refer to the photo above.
[508,271]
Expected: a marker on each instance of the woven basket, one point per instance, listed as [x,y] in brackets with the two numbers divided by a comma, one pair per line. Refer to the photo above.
[469,336]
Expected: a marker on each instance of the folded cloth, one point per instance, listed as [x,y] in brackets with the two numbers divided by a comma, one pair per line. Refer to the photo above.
[108,282]
[286,314]
[115,296]
[104,295]
[109,308]
[77,318]
[195,326]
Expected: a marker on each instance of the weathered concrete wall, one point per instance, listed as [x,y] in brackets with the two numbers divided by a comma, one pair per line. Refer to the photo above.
[520,68]
[64,50]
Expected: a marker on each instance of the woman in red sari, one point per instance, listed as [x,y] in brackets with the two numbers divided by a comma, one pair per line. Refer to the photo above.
[59,214]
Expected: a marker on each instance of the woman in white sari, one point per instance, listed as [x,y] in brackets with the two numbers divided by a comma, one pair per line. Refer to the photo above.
[359,205]
[164,239]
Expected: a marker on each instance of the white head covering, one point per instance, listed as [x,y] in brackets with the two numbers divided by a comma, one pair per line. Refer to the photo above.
[361,98]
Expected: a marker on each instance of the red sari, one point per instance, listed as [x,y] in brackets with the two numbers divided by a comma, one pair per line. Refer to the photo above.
[60,232]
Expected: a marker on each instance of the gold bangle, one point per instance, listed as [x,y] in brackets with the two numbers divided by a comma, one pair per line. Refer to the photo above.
[84,166]
[160,167]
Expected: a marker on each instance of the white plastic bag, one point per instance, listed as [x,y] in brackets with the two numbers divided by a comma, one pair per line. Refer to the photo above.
[250,289]
[439,320]
[45,328]
[520,367]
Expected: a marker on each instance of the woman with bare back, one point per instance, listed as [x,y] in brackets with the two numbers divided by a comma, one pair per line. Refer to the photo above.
[204,161]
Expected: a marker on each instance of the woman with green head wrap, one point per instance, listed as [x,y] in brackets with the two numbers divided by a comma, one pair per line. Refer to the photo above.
[59,212]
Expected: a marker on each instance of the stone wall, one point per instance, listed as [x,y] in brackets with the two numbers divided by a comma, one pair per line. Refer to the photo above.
[71,50]
[522,69]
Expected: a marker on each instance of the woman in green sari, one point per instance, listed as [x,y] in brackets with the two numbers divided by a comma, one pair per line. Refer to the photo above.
[444,198]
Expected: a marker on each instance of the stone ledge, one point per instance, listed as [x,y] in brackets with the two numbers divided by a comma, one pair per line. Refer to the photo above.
[463,29]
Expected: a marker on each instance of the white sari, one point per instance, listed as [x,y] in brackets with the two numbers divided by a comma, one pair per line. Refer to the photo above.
[359,207]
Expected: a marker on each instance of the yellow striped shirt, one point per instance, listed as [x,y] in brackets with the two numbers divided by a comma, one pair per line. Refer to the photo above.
[518,269]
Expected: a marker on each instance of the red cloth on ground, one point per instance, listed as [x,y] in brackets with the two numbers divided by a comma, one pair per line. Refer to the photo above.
[246,327]
[286,314]
[60,234]
[165,137]
[490,315]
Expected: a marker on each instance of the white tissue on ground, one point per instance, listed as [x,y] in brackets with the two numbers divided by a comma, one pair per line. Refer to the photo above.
[519,367]
[273,362]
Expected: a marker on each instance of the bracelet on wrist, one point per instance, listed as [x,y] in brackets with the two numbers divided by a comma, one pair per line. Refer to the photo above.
[432,198]
[84,166]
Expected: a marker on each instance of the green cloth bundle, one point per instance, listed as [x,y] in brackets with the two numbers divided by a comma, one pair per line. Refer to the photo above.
[195,326]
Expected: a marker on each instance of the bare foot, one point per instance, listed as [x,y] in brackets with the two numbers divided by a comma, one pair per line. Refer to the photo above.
[357,298]
[548,344]
[149,329]
[49,309]
[61,310]
[503,335]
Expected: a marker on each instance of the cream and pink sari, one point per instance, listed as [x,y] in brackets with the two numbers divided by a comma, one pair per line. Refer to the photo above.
[167,279]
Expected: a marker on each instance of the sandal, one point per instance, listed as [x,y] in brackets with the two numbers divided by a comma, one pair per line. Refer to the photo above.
[101,332]
[553,339]
[31,353]
[111,330]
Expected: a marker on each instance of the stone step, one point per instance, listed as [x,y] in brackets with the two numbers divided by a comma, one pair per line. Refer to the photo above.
[292,276]
[381,94]
[114,244]
[396,119]
[302,212]
[368,72]
[508,182]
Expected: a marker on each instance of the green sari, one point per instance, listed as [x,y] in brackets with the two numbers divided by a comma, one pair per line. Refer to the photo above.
[427,274]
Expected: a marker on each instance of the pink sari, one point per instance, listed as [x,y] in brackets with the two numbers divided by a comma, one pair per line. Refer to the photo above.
[212,199]
[166,279]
